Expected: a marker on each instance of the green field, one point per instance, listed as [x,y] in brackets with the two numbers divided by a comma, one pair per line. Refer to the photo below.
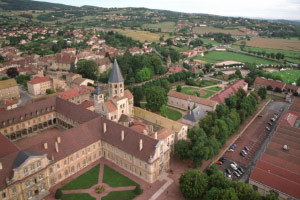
[216,88]
[115,179]
[195,91]
[189,90]
[84,181]
[173,114]
[218,56]
[120,195]
[289,76]
[207,41]
[290,56]
[208,94]
[165,26]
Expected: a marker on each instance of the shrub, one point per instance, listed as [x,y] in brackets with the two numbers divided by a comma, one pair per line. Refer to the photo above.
[58,194]
[138,190]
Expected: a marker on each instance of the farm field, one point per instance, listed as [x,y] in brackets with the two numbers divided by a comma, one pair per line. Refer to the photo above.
[273,43]
[202,30]
[217,56]
[165,26]
[289,76]
[142,36]
[290,56]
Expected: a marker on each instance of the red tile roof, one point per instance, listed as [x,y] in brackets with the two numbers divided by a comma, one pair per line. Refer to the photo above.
[229,91]
[87,104]
[267,82]
[71,93]
[110,106]
[195,99]
[7,147]
[37,80]
[128,94]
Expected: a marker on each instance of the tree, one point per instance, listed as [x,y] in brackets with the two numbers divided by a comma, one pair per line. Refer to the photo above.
[138,190]
[23,79]
[238,73]
[58,194]
[12,72]
[262,92]
[138,94]
[156,97]
[1,58]
[50,91]
[178,88]
[298,82]
[163,110]
[193,184]
[181,149]
[88,69]
[211,194]
[244,191]
[227,194]
[143,75]
[219,181]
[270,196]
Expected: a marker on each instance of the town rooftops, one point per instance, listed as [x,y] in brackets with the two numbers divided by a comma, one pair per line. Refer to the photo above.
[268,82]
[115,74]
[8,83]
[192,98]
[229,91]
[75,92]
[37,80]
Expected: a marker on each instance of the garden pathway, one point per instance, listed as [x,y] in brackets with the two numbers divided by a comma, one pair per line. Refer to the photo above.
[92,190]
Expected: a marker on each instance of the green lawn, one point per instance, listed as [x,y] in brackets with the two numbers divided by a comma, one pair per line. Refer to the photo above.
[115,179]
[173,114]
[84,181]
[82,196]
[189,90]
[208,94]
[289,76]
[218,56]
[120,195]
[216,88]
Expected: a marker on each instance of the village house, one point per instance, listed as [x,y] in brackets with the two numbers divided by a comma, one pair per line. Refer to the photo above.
[76,95]
[39,85]
[9,89]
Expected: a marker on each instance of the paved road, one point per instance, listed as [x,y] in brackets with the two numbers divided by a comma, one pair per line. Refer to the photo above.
[24,97]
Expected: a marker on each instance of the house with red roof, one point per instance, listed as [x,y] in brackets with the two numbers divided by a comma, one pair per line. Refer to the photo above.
[76,95]
[39,85]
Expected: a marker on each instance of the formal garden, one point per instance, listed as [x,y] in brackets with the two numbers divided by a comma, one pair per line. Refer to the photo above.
[196,91]
[108,185]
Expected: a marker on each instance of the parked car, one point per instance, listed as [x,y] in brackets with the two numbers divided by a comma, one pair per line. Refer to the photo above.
[233,166]
[236,174]
[235,163]
[219,163]
[228,171]
[259,115]
[246,148]
[268,129]
[273,119]
[230,150]
[238,171]
[242,154]
[222,159]
[270,123]
[241,169]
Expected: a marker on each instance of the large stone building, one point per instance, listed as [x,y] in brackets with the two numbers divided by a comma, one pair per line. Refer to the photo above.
[9,89]
[76,95]
[119,101]
[39,85]
[42,159]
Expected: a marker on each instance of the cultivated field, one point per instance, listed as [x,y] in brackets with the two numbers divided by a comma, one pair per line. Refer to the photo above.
[142,36]
[202,30]
[218,56]
[165,26]
[289,76]
[273,43]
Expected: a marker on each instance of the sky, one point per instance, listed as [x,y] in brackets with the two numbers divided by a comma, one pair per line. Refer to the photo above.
[268,9]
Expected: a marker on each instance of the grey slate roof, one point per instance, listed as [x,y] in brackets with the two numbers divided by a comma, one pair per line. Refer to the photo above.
[98,91]
[115,75]
[22,156]
[195,115]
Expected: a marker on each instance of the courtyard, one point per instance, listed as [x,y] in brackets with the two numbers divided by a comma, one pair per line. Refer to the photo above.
[202,93]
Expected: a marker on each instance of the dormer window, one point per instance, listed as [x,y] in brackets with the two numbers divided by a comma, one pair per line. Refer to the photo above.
[39,164]
[32,168]
[25,171]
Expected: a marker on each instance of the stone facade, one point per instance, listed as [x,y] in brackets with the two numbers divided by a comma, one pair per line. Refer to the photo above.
[9,89]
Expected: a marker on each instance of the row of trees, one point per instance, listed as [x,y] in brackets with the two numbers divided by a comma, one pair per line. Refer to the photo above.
[212,184]
[206,139]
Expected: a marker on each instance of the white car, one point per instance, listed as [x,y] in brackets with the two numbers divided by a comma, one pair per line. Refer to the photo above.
[244,152]
[233,166]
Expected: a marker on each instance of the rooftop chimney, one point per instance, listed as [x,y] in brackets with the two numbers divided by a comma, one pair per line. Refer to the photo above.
[45,145]
[104,127]
[56,146]
[141,144]
[122,135]
[155,135]
[1,166]
[58,140]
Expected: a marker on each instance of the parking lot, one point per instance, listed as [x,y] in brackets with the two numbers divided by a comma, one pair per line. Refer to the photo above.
[253,137]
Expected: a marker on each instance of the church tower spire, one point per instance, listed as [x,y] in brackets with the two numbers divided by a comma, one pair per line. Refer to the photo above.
[116,82]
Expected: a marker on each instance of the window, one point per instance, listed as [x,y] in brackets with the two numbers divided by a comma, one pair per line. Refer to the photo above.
[3,195]
[29,194]
[89,150]
[94,156]
[77,156]
[255,187]
[90,159]
[39,164]
[72,169]
[41,176]
[50,170]
[66,173]
[27,183]
[135,170]
[78,166]
[99,153]
[34,180]
[94,147]
[83,163]
[145,166]
[82,152]
[71,159]
[59,176]
[65,162]
[25,171]
[32,168]
[42,186]
[58,165]
[52,181]
[14,190]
